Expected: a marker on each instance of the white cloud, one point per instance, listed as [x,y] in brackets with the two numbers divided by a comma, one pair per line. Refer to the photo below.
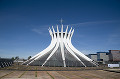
[114,39]
[94,22]
[86,52]
[37,31]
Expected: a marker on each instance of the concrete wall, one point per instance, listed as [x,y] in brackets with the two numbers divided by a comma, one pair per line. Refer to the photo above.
[103,56]
[93,56]
[114,55]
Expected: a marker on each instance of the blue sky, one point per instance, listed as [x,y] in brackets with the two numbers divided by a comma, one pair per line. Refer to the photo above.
[24,25]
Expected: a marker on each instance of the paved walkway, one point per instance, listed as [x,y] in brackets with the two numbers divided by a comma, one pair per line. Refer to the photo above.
[86,74]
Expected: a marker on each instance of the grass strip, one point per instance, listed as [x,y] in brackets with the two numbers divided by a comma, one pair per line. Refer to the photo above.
[22,74]
[50,75]
[36,72]
[6,75]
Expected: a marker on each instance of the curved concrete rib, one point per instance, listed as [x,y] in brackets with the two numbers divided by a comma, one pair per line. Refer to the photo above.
[62,47]
[41,51]
[78,52]
[55,49]
[67,47]
[74,49]
[49,48]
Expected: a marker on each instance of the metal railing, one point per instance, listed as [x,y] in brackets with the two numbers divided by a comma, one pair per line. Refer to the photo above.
[57,65]
[5,62]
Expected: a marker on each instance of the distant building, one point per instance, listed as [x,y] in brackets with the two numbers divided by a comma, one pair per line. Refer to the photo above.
[19,60]
[102,57]
[93,56]
[114,55]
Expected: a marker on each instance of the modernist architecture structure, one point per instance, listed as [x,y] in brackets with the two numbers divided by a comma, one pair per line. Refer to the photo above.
[60,52]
